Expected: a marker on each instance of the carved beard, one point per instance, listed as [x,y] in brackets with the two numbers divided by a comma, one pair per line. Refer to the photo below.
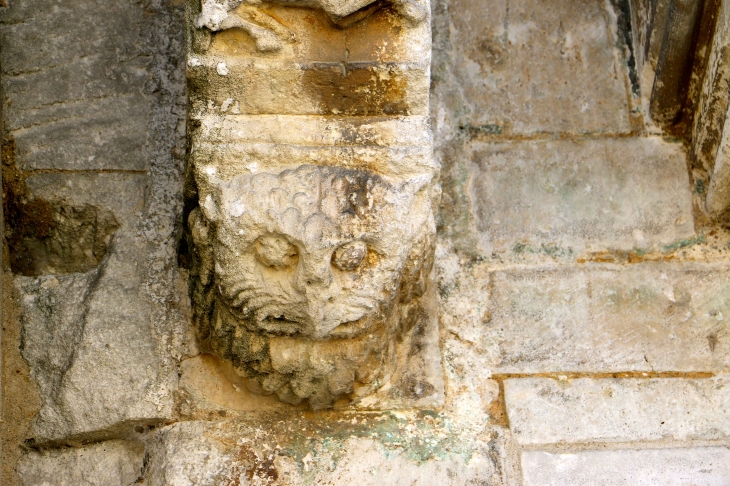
[297,368]
[304,284]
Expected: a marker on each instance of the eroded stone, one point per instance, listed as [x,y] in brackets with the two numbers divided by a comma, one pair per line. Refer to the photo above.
[112,463]
[312,240]
[88,338]
[329,326]
[671,467]
[578,195]
[529,67]
[358,448]
[547,411]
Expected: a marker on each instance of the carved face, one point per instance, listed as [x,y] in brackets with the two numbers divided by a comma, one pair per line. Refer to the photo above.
[309,257]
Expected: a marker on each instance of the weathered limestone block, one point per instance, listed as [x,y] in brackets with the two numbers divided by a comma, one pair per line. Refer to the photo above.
[669,467]
[404,450]
[100,363]
[548,411]
[580,195]
[312,239]
[87,87]
[112,463]
[76,81]
[642,317]
[528,67]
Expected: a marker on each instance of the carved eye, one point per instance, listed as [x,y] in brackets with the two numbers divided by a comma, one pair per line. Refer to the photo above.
[275,251]
[349,256]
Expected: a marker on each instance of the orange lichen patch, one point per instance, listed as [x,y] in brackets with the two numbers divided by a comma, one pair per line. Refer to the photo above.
[376,38]
[497,409]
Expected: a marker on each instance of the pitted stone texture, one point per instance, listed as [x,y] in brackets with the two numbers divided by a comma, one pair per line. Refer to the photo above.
[548,411]
[526,67]
[368,450]
[643,317]
[100,361]
[76,76]
[113,463]
[217,15]
[708,466]
[589,194]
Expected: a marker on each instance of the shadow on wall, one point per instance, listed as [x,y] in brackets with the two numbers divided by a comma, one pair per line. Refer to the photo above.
[50,238]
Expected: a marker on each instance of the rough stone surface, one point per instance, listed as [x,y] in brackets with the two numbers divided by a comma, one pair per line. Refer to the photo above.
[595,194]
[529,67]
[548,411]
[709,466]
[362,449]
[112,463]
[91,87]
[580,318]
[565,248]
[76,81]
[89,338]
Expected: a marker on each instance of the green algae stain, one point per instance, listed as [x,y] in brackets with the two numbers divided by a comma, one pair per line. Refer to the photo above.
[686,243]
[319,441]
[553,251]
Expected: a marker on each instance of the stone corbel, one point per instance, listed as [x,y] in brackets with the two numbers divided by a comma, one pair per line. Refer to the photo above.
[313,192]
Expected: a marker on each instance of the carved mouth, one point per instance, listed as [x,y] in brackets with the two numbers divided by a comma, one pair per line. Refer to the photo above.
[281,326]
[351,328]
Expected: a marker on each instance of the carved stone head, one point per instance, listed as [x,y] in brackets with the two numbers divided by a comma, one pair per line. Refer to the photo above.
[303,275]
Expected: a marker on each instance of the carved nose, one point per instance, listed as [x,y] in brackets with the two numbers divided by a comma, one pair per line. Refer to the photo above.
[317,273]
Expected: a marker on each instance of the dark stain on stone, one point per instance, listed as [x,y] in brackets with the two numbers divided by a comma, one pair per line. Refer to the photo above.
[414,388]
[357,89]
[249,465]
[626,37]
[50,237]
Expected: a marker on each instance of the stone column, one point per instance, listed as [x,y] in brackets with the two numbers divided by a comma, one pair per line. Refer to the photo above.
[314,187]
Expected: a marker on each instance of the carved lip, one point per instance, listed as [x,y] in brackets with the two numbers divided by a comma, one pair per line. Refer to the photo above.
[282,326]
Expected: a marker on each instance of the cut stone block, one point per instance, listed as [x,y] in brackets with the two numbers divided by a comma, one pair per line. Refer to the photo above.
[708,466]
[529,66]
[98,134]
[256,86]
[643,317]
[548,411]
[292,451]
[589,194]
[77,79]
[97,355]
[113,463]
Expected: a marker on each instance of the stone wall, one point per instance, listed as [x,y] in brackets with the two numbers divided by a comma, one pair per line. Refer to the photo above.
[573,330]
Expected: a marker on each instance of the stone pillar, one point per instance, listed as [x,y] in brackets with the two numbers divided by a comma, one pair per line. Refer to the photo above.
[314,188]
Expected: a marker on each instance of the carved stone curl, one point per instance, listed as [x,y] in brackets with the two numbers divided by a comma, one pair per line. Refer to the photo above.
[305,275]
[219,15]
